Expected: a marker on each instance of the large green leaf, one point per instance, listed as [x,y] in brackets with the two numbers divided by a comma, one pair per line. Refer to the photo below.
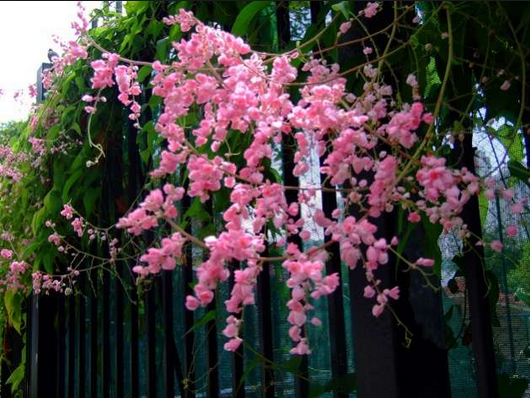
[53,201]
[512,386]
[246,15]
[431,247]
[70,182]
[209,316]
[517,170]
[13,305]
[342,384]
[16,377]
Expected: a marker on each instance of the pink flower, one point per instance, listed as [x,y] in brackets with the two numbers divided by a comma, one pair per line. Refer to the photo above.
[166,256]
[192,303]
[302,348]
[411,80]
[233,344]
[369,292]
[345,26]
[426,262]
[512,231]
[371,9]
[414,217]
[378,309]
[7,254]
[55,239]
[67,212]
[505,86]
[517,208]
[392,293]
[368,50]
[496,245]
[78,226]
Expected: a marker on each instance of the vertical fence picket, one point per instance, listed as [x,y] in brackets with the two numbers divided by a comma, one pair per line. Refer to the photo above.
[106,370]
[479,308]
[81,364]
[119,341]
[284,37]
[189,338]
[337,327]
[134,186]
[94,337]
[212,357]
[265,329]
[168,356]
[61,348]
[150,312]
[71,346]
[238,385]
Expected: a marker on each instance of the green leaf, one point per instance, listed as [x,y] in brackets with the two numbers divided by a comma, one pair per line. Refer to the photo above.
[343,384]
[162,48]
[89,200]
[13,304]
[431,248]
[69,183]
[16,377]
[48,260]
[512,386]
[144,72]
[135,7]
[53,133]
[246,15]
[484,205]
[517,170]
[343,8]
[197,212]
[38,219]
[209,316]
[292,365]
[53,201]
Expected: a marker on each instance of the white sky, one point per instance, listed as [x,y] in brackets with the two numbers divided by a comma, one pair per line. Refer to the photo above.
[26,30]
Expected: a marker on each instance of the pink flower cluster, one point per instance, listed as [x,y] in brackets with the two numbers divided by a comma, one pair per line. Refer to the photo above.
[306,280]
[163,258]
[128,88]
[243,96]
[12,280]
[154,206]
[10,163]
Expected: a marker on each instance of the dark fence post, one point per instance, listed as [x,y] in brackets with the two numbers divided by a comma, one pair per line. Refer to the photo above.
[150,312]
[212,356]
[284,37]
[189,338]
[401,370]
[479,308]
[81,299]
[41,357]
[238,385]
[337,326]
[168,356]
[134,186]
[266,331]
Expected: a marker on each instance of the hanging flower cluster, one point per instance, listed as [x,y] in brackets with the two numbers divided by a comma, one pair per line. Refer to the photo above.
[371,155]
[243,92]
